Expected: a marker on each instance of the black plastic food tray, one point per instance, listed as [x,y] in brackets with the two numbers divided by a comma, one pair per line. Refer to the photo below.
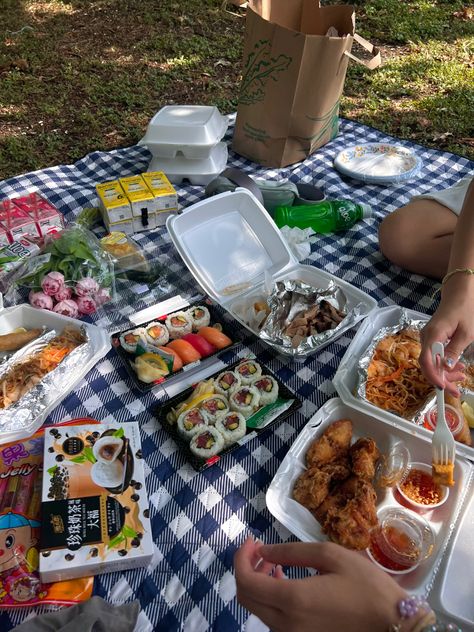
[128,357]
[202,464]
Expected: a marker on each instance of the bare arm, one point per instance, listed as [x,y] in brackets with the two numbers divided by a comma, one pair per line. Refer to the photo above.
[454,318]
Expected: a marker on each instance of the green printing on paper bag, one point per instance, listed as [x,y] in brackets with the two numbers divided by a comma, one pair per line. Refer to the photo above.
[330,122]
[256,134]
[259,68]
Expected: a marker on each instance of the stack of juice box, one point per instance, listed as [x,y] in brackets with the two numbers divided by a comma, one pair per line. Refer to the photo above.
[136,203]
[28,215]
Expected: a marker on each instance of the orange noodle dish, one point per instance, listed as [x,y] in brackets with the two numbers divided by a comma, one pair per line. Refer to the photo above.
[20,378]
[394,378]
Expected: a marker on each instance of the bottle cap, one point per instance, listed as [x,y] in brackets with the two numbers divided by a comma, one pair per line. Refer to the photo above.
[366,210]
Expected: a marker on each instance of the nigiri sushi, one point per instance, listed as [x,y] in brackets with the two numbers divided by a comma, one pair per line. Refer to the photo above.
[215,337]
[201,345]
[177,362]
[186,352]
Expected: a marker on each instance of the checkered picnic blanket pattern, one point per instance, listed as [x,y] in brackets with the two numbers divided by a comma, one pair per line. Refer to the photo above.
[198,519]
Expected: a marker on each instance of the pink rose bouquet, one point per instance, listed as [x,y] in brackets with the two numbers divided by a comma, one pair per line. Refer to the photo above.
[67,307]
[52,283]
[40,300]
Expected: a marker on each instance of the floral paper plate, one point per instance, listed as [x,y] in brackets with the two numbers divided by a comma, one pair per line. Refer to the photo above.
[378,163]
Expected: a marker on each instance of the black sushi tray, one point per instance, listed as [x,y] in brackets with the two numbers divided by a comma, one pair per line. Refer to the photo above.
[284,393]
[127,357]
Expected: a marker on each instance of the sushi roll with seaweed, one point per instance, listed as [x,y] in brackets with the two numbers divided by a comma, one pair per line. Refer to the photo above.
[190,422]
[179,324]
[214,408]
[130,339]
[226,382]
[267,387]
[200,316]
[245,400]
[206,443]
[157,334]
[248,370]
[232,427]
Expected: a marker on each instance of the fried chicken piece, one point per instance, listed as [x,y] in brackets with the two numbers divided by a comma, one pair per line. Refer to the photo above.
[338,470]
[349,512]
[331,445]
[311,488]
[364,455]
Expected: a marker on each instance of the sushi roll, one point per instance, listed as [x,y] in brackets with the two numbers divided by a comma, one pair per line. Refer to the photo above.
[190,422]
[200,316]
[232,427]
[267,387]
[226,382]
[248,371]
[130,339]
[214,408]
[245,400]
[179,324]
[157,334]
[206,443]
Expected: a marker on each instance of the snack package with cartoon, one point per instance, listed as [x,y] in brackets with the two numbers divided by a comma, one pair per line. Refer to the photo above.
[95,514]
[21,467]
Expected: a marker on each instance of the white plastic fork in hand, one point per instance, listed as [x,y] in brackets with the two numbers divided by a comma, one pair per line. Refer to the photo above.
[443,444]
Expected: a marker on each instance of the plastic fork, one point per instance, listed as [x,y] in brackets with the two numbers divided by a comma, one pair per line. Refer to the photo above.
[443,445]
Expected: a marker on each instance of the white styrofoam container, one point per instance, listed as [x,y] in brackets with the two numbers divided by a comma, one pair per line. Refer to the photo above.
[200,171]
[190,130]
[443,520]
[346,378]
[230,241]
[31,318]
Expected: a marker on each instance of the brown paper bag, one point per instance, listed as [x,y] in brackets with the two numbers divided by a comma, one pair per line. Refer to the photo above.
[293,77]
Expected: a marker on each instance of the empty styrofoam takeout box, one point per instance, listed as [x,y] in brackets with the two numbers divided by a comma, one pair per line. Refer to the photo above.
[196,171]
[190,130]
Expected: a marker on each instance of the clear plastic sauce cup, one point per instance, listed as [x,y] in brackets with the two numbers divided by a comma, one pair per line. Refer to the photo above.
[453,418]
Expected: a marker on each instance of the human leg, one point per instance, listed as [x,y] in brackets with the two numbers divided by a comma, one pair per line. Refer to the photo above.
[418,237]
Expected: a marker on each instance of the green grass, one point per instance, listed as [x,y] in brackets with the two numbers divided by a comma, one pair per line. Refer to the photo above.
[89,75]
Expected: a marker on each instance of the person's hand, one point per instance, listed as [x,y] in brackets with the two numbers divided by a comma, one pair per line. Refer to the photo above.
[452,323]
[351,593]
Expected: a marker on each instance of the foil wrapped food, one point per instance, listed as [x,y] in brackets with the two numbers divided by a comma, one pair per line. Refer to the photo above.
[422,396]
[321,311]
[27,392]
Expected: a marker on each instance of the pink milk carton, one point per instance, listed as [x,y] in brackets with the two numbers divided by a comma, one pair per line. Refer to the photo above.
[46,216]
[16,221]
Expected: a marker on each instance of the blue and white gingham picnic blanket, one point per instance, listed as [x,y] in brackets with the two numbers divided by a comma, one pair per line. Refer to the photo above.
[198,519]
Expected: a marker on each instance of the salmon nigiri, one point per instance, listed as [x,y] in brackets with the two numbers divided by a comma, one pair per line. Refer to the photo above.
[186,352]
[215,337]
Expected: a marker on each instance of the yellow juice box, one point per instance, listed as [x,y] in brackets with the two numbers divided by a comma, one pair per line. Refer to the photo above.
[166,198]
[141,198]
[125,226]
[113,202]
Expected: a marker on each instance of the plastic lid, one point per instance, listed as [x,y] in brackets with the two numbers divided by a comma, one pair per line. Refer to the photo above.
[393,467]
[366,210]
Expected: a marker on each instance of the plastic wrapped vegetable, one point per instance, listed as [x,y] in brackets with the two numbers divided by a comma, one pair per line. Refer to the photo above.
[71,274]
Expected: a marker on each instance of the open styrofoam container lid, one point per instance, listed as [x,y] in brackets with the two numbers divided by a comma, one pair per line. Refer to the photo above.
[229,242]
[346,378]
[185,125]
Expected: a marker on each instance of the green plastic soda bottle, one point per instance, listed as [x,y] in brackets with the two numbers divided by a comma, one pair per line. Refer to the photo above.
[328,216]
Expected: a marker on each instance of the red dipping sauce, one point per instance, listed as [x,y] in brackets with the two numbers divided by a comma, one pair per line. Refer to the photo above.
[454,420]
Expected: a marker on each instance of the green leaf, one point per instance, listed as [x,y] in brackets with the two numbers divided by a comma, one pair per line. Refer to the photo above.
[119,433]
[128,531]
[116,541]
[52,469]
[79,459]
[89,454]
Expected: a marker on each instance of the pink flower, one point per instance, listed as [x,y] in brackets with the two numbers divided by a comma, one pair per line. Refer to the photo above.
[86,287]
[67,308]
[86,305]
[52,283]
[64,294]
[102,296]
[40,300]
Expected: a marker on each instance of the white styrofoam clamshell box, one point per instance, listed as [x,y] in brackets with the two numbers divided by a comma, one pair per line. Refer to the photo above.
[443,520]
[200,171]
[29,317]
[190,130]
[346,378]
[230,240]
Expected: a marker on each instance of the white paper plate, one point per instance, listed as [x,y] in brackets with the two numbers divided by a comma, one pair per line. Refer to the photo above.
[378,163]
[304,525]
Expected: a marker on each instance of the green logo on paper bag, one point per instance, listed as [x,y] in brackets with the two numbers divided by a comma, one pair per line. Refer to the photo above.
[328,126]
[258,69]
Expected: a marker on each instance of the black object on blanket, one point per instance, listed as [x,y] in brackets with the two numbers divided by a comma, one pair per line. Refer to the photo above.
[94,615]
